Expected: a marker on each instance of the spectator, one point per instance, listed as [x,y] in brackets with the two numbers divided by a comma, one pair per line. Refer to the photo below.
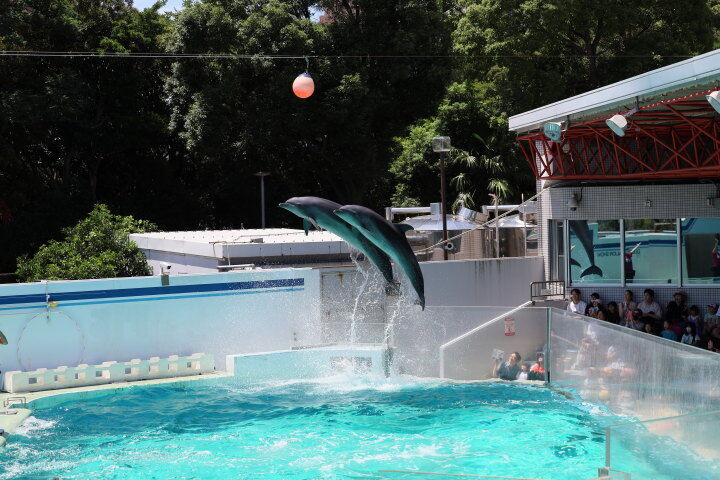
[523,375]
[676,309]
[695,320]
[601,314]
[612,314]
[595,305]
[711,318]
[710,345]
[508,370]
[627,305]
[537,371]
[651,311]
[715,257]
[688,337]
[635,321]
[667,331]
[575,305]
[649,329]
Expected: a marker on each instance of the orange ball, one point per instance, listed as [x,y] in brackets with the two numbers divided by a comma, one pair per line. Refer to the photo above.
[303,86]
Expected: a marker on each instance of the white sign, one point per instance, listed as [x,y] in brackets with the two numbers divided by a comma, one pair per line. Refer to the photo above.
[509,326]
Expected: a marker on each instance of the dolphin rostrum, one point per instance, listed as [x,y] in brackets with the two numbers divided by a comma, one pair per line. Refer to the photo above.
[320,213]
[584,234]
[389,238]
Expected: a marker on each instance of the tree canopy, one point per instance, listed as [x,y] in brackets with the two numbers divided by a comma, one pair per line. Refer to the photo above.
[96,247]
[177,141]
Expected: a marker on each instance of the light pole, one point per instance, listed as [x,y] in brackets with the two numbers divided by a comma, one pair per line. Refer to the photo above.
[441,145]
[262,176]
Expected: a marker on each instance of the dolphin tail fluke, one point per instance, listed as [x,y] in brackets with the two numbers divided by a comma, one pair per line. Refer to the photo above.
[392,289]
[592,270]
[574,262]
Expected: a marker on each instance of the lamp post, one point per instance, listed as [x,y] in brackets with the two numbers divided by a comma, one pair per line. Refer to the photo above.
[262,176]
[441,145]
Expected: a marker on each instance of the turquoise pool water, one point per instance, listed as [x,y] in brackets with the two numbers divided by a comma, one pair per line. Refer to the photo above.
[350,430]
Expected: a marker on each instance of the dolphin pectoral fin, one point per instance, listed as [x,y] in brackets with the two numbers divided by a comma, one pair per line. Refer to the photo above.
[592,270]
[421,302]
[574,262]
[306,225]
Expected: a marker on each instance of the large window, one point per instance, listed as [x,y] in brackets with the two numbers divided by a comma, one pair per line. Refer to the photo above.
[651,251]
[700,255]
[594,251]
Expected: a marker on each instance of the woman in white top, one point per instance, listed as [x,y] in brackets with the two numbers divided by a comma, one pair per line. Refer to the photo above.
[575,305]
[628,305]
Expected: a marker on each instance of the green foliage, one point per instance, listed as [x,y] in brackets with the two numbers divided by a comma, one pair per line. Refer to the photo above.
[516,55]
[96,247]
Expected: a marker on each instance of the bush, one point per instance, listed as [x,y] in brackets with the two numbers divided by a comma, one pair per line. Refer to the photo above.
[96,247]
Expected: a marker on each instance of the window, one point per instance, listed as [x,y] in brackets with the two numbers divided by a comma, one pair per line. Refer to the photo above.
[557,250]
[594,251]
[700,255]
[651,251]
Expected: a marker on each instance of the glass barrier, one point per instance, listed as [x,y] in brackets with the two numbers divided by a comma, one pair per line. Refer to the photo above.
[678,447]
[410,475]
[486,350]
[632,373]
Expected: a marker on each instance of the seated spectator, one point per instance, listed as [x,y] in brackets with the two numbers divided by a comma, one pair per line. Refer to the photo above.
[575,305]
[595,305]
[634,321]
[612,314]
[537,371]
[676,309]
[695,320]
[523,375]
[668,332]
[710,345]
[649,328]
[508,370]
[627,305]
[651,311]
[710,320]
[688,337]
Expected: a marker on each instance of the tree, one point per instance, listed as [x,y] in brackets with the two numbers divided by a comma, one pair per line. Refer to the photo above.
[238,116]
[515,55]
[96,247]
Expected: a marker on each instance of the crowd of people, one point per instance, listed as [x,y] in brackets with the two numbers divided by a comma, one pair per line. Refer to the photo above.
[678,321]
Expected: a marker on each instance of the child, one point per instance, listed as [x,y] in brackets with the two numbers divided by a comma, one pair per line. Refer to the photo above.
[523,375]
[695,320]
[711,318]
[537,371]
[688,337]
[668,332]
[595,305]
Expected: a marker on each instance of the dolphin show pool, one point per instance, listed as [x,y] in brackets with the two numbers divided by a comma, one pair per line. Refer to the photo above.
[333,428]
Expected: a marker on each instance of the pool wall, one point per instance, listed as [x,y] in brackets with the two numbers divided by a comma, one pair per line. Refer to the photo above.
[50,324]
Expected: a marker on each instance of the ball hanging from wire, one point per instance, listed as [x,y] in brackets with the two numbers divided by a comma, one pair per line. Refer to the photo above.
[304,86]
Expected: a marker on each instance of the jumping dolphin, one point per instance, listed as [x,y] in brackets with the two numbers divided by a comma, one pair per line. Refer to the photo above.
[582,232]
[389,238]
[319,212]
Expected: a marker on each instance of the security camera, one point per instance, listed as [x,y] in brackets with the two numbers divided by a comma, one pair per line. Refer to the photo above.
[165,267]
[574,202]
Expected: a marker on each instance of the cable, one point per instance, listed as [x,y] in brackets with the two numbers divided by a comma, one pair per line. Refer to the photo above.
[90,54]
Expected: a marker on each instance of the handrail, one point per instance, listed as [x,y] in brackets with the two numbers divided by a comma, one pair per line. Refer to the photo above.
[470,332]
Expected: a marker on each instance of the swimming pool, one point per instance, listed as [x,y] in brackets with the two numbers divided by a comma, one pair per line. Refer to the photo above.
[307,430]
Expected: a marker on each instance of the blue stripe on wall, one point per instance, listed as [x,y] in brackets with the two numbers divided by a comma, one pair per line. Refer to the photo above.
[145,291]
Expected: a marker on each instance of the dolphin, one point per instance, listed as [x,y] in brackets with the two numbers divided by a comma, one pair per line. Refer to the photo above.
[319,213]
[389,238]
[3,339]
[582,232]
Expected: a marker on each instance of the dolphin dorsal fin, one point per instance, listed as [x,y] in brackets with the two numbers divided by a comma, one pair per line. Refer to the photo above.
[403,227]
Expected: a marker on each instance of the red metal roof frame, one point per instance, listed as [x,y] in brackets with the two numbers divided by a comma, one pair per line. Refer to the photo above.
[677,138]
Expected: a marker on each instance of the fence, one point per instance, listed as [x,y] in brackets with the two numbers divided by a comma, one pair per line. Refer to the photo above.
[633,373]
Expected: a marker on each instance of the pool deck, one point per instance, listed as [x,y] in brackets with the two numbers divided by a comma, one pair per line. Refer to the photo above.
[9,422]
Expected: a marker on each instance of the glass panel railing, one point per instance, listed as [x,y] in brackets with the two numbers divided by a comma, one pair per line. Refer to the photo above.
[484,351]
[682,447]
[633,373]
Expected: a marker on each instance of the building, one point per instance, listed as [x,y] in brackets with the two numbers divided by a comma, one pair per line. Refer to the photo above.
[627,176]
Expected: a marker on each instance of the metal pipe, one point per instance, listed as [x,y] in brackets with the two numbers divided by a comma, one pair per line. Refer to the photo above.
[442,204]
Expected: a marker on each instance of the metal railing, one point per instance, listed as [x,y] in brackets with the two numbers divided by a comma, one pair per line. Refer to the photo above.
[545,290]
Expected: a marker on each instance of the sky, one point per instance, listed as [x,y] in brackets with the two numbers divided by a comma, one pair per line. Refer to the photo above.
[169,7]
